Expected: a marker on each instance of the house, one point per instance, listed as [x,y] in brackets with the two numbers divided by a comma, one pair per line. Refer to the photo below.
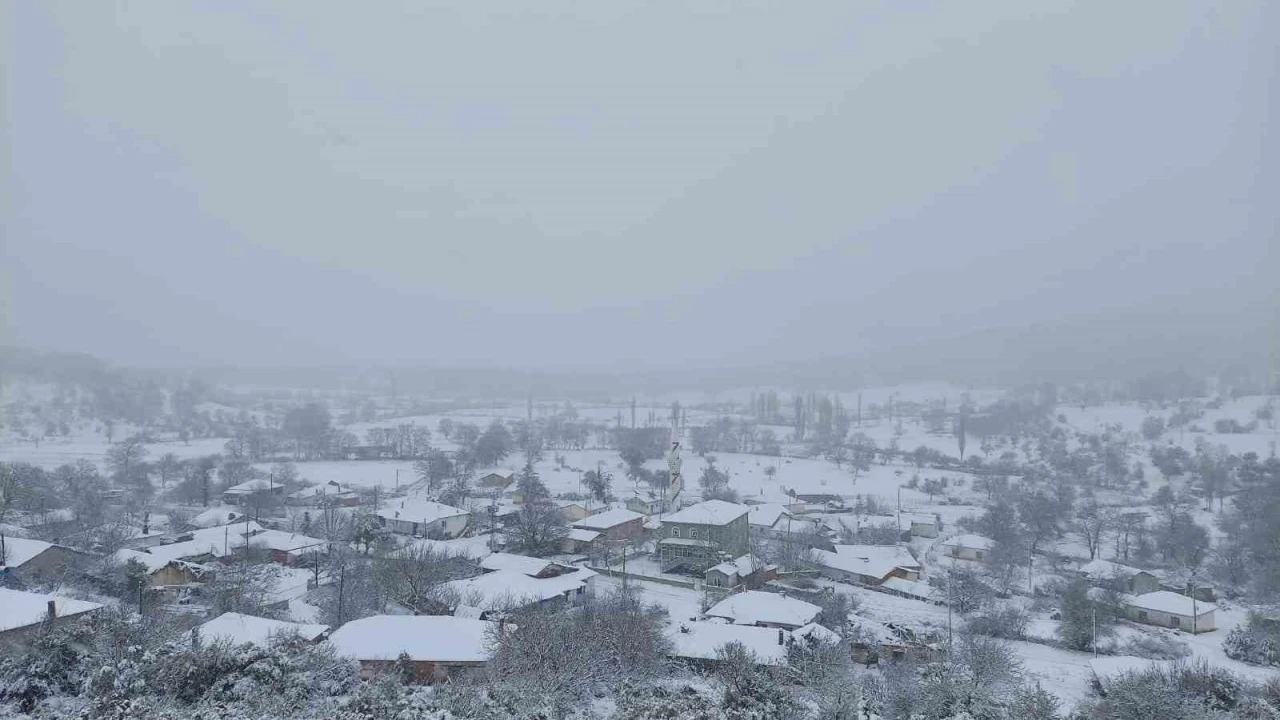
[286,548]
[1169,609]
[252,491]
[702,535]
[572,510]
[423,518]
[699,643]
[867,564]
[873,642]
[239,629]
[645,504]
[495,481]
[35,559]
[502,591]
[968,547]
[919,525]
[914,589]
[439,646]
[768,519]
[533,567]
[615,525]
[1121,577]
[214,517]
[765,609]
[745,570]
[1184,583]
[476,547]
[207,543]
[579,541]
[163,572]
[23,615]
[328,495]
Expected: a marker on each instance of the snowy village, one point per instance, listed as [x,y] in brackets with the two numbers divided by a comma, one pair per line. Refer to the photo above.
[630,360]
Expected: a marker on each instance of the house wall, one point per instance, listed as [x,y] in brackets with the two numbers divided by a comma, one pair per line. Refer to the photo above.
[928,530]
[1143,583]
[450,527]
[1205,623]
[573,513]
[720,579]
[967,553]
[19,637]
[629,530]
[53,561]
[171,575]
[733,538]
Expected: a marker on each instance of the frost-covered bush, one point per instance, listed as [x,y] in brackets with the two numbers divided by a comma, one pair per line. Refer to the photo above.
[1253,643]
[1000,621]
[680,702]
[1154,647]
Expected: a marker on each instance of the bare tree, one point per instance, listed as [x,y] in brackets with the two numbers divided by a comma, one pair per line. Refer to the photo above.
[1093,521]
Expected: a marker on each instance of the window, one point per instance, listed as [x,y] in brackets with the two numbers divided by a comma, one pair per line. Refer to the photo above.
[1175,621]
[675,532]
[693,533]
[979,554]
[1142,615]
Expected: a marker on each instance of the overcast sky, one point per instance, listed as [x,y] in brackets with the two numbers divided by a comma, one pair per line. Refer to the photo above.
[618,184]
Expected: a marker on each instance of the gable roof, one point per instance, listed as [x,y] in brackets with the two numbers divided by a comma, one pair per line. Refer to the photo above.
[1170,602]
[284,541]
[516,563]
[752,607]
[972,542]
[1106,570]
[419,511]
[510,589]
[767,514]
[20,551]
[607,519]
[20,609]
[701,640]
[875,561]
[217,541]
[744,565]
[238,629]
[708,512]
[430,638]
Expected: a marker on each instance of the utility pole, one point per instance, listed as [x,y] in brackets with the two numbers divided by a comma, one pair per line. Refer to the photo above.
[950,584]
[397,480]
[1095,630]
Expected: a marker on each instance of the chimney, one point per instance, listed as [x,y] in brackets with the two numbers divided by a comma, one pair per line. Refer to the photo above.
[779,636]
[53,609]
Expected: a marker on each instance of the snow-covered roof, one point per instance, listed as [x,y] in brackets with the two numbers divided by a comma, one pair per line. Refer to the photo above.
[1170,602]
[972,542]
[709,512]
[238,628]
[217,541]
[475,547]
[581,535]
[151,562]
[607,519]
[431,638]
[20,609]
[215,516]
[908,519]
[766,515]
[284,541]
[816,632]
[19,551]
[515,563]
[419,511]
[753,607]
[744,565]
[510,589]
[875,561]
[250,487]
[915,589]
[700,640]
[1106,570]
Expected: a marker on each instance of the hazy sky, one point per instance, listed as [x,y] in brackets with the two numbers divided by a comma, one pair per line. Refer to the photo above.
[617,184]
